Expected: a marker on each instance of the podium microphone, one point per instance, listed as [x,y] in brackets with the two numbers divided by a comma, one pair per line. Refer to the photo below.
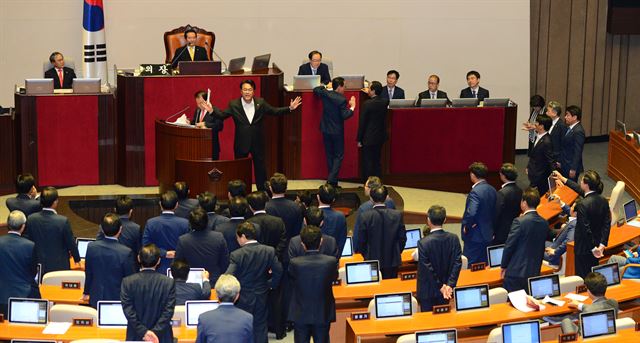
[177,58]
[175,114]
[218,56]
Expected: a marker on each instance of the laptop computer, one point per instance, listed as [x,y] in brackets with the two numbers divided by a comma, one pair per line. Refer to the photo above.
[545,285]
[28,311]
[306,82]
[348,247]
[353,81]
[193,310]
[611,272]
[413,237]
[83,244]
[594,324]
[195,275]
[465,102]
[495,102]
[261,62]
[437,336]
[521,332]
[494,254]
[402,103]
[362,272]
[471,297]
[393,305]
[236,65]
[433,102]
[86,86]
[38,86]
[110,314]
[630,210]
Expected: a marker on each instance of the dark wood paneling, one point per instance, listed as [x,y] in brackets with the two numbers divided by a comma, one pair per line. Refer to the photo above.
[27,130]
[107,139]
[8,149]
[130,98]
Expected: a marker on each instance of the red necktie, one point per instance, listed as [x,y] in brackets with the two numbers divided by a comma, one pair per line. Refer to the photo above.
[60,77]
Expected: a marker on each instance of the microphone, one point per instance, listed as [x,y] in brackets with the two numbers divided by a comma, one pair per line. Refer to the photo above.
[175,114]
[176,59]
[218,56]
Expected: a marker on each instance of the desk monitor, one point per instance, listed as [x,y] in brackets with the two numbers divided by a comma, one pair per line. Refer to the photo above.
[393,305]
[413,237]
[552,184]
[541,286]
[437,336]
[261,62]
[465,102]
[433,102]
[195,275]
[236,64]
[495,102]
[472,297]
[521,332]
[83,244]
[306,82]
[86,86]
[621,126]
[348,247]
[353,81]
[110,314]
[31,341]
[38,276]
[630,210]
[28,311]
[362,272]
[402,103]
[599,323]
[193,310]
[38,86]
[494,254]
[610,271]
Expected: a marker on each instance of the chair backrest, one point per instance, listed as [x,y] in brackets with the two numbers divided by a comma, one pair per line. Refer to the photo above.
[69,63]
[180,313]
[498,295]
[625,323]
[56,278]
[409,338]
[326,61]
[560,269]
[342,275]
[67,313]
[372,307]
[615,201]
[495,336]
[465,262]
[569,283]
[175,38]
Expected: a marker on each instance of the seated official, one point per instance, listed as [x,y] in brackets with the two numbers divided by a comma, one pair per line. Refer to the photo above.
[630,272]
[316,67]
[474,90]
[190,52]
[203,118]
[62,76]
[391,91]
[554,250]
[25,201]
[432,91]
[596,288]
[186,291]
[185,204]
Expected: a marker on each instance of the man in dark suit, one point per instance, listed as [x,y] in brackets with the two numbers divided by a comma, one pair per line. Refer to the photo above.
[248,113]
[52,234]
[203,118]
[540,153]
[372,182]
[18,267]
[557,130]
[252,264]
[391,91]
[313,307]
[203,248]
[131,235]
[432,91]
[227,321]
[314,217]
[439,262]
[25,201]
[238,208]
[107,262]
[316,67]
[186,291]
[334,222]
[334,113]
[596,288]
[523,251]
[62,76]
[553,251]
[148,300]
[207,201]
[185,204]
[165,229]
[474,90]
[190,51]
[283,208]
[272,229]
[572,144]
[372,131]
[382,234]
[507,203]
[479,215]
[593,222]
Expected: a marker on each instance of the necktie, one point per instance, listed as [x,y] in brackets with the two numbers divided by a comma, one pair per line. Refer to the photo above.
[568,131]
[433,96]
[313,71]
[390,93]
[473,93]
[191,52]
[61,77]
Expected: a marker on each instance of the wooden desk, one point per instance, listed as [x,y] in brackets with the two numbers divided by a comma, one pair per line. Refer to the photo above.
[58,295]
[622,336]
[550,209]
[407,258]
[624,162]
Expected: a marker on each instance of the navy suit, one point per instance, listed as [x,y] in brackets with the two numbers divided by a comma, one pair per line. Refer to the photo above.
[228,230]
[557,132]
[323,71]
[478,220]
[382,237]
[398,93]
[482,93]
[67,77]
[523,251]
[204,249]
[185,207]
[507,209]
[164,231]
[17,270]
[214,220]
[571,152]
[227,323]
[335,225]
[24,203]
[540,163]
[559,244]
[439,263]
[365,206]
[54,240]
[191,291]
[327,247]
[107,262]
[131,236]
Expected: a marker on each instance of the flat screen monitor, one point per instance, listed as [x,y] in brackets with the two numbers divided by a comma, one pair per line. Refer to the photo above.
[353,81]
[110,314]
[599,323]
[521,332]
[433,102]
[541,286]
[195,275]
[261,62]
[630,210]
[610,271]
[437,336]
[362,272]
[28,311]
[494,255]
[402,103]
[348,247]
[83,244]
[465,102]
[622,127]
[236,64]
[38,86]
[552,184]
[472,297]
[305,82]
[393,305]
[193,310]
[413,237]
[495,102]
[38,276]
[86,86]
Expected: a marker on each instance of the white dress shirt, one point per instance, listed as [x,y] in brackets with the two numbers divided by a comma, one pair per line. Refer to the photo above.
[249,109]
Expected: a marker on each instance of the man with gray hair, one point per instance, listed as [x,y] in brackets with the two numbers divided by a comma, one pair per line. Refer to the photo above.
[18,266]
[227,322]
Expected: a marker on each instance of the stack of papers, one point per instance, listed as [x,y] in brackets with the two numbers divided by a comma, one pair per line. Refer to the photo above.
[56,328]
[576,297]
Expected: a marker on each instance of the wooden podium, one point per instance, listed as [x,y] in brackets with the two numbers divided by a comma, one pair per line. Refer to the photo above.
[184,154]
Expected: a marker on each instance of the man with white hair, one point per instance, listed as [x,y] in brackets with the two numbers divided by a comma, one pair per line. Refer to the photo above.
[18,266]
[227,322]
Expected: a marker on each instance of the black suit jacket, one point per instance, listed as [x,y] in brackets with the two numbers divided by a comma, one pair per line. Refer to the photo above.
[228,230]
[382,236]
[593,221]
[185,207]
[482,93]
[214,220]
[439,263]
[540,163]
[427,95]
[148,301]
[507,209]
[398,93]
[199,55]
[290,213]
[524,249]
[18,268]
[68,76]
[323,71]
[556,134]
[54,240]
[334,111]
[571,152]
[107,262]
[131,236]
[204,249]
[272,232]
[250,265]
[192,291]
[311,278]
[372,128]
[328,247]
[24,203]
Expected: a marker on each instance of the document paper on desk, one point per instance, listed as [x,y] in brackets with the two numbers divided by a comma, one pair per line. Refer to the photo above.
[634,223]
[519,301]
[56,328]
